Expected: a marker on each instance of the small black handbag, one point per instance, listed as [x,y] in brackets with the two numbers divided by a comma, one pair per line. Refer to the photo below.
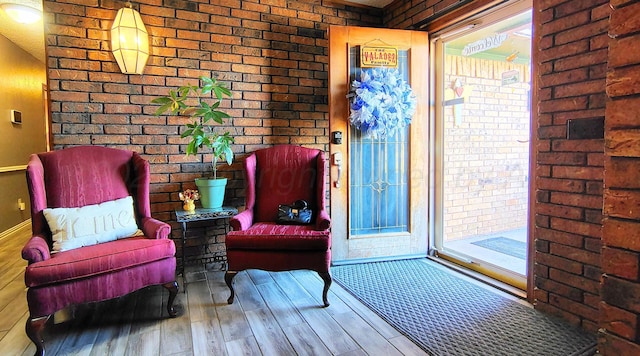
[297,213]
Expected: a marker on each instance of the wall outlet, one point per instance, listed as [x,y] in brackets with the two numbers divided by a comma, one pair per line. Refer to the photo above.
[21,205]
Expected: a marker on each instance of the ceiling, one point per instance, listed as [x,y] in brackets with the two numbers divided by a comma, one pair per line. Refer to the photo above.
[28,37]
[31,37]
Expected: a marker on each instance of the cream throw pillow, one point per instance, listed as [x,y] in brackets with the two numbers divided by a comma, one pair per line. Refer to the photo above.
[91,224]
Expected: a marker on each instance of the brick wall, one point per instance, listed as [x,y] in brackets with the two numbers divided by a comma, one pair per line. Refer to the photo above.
[620,307]
[271,53]
[571,66]
[406,14]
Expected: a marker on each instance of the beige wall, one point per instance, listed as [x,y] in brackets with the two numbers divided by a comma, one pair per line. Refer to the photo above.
[20,89]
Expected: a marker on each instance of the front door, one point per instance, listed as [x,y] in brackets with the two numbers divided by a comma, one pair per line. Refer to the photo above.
[379,186]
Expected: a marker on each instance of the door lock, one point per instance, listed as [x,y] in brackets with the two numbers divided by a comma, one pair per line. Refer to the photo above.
[337,161]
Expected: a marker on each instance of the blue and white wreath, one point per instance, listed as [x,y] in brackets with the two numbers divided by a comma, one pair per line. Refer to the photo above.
[381,103]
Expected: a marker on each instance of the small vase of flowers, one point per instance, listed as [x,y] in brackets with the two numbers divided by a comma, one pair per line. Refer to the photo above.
[189,198]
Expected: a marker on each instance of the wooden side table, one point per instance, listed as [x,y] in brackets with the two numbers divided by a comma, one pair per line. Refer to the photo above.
[200,214]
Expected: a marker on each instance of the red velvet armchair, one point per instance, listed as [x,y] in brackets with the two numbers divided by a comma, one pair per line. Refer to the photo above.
[281,175]
[79,177]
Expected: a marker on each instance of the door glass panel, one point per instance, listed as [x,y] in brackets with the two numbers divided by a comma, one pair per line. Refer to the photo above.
[378,174]
[485,143]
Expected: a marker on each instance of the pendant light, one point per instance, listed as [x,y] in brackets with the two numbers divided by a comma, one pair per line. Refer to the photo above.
[129,41]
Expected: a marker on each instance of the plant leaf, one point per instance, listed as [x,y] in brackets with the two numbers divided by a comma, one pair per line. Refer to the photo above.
[208,84]
[228,153]
[220,90]
[192,149]
[199,132]
[163,108]
[162,100]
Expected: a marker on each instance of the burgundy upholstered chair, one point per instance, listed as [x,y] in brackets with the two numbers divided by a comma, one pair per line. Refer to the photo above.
[77,177]
[281,175]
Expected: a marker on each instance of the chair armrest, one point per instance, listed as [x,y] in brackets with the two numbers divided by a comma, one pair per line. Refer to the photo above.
[242,221]
[155,229]
[323,221]
[36,250]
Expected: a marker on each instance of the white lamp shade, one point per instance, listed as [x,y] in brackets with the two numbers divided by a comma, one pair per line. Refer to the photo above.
[129,41]
[22,13]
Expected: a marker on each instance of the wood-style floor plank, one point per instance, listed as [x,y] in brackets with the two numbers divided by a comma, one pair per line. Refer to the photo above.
[286,282]
[175,334]
[271,340]
[113,335]
[275,313]
[15,341]
[12,270]
[13,313]
[369,339]
[207,338]
[232,320]
[312,283]
[54,336]
[13,290]
[144,338]
[259,277]
[305,341]
[29,351]
[200,302]
[246,293]
[330,332]
[245,346]
[145,343]
[282,309]
[406,346]
[367,314]
[81,336]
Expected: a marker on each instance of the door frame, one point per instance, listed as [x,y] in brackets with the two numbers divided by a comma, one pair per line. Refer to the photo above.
[417,42]
[457,24]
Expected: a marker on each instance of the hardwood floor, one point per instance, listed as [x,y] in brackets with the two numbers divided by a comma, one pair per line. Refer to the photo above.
[274,314]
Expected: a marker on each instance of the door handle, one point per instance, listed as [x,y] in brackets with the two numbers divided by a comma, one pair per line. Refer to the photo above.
[337,161]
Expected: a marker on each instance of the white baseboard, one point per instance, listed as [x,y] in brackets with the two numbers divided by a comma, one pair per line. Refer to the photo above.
[12,230]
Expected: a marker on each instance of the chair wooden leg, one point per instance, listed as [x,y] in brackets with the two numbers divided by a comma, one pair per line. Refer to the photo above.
[34,329]
[173,292]
[326,277]
[228,278]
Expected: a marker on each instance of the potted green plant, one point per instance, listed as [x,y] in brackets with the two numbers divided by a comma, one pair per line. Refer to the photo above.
[190,100]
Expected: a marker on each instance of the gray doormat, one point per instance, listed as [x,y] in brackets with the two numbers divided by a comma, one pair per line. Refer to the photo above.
[447,315]
[504,245]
